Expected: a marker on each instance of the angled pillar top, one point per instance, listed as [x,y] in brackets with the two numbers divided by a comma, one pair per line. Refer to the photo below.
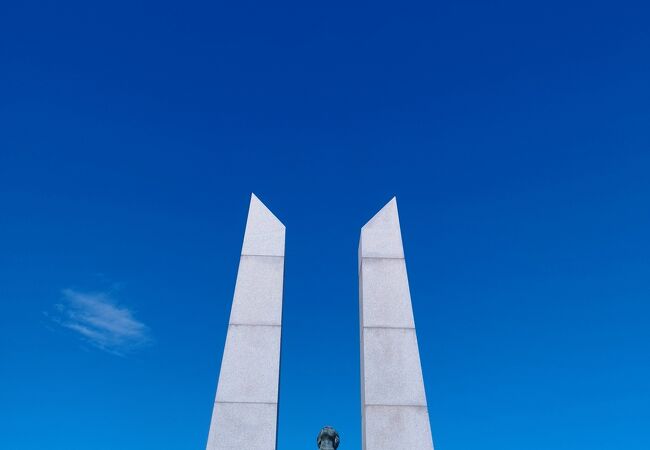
[381,236]
[264,234]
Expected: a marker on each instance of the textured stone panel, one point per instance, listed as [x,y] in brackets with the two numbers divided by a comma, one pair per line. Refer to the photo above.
[264,232]
[397,427]
[258,292]
[251,364]
[381,236]
[391,363]
[243,426]
[386,299]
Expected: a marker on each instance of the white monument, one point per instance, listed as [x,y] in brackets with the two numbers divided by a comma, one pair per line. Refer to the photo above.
[394,411]
[393,402]
[246,406]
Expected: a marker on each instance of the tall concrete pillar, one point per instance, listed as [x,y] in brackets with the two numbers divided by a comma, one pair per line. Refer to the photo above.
[246,405]
[393,402]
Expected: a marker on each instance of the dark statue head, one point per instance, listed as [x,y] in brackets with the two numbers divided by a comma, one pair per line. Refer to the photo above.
[328,439]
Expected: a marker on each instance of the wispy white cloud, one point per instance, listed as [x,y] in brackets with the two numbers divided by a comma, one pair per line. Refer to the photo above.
[100,321]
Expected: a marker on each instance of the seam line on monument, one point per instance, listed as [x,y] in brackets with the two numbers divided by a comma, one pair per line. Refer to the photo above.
[401,406]
[389,328]
[382,257]
[255,325]
[248,403]
[265,256]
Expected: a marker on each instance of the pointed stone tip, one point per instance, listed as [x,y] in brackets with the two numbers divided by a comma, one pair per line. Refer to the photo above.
[258,205]
[388,209]
[381,236]
[265,233]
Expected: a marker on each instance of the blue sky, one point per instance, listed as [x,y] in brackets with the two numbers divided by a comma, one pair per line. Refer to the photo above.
[514,134]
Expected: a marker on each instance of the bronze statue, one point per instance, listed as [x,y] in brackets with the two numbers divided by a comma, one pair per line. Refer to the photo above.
[328,439]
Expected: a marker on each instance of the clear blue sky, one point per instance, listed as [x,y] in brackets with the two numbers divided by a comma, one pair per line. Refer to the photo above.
[516,136]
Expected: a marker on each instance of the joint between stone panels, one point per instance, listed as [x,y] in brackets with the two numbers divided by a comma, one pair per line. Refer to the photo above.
[383,257]
[395,406]
[245,403]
